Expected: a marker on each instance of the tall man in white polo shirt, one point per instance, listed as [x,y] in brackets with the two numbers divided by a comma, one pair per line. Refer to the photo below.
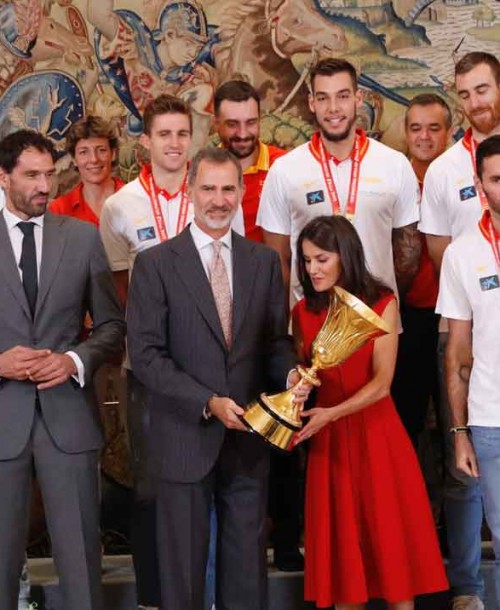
[341,171]
[151,209]
[145,212]
[469,298]
[451,204]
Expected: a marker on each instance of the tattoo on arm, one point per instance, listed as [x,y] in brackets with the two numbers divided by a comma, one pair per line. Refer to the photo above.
[406,247]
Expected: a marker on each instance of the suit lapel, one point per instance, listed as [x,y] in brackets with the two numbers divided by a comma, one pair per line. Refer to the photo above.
[54,241]
[244,270]
[191,272]
[9,268]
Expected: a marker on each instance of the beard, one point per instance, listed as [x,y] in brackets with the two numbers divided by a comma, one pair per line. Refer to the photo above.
[241,153]
[486,118]
[30,206]
[338,137]
[221,223]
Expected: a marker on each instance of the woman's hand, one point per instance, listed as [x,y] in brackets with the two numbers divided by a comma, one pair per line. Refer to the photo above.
[318,419]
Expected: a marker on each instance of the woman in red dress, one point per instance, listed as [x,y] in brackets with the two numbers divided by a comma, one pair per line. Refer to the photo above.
[369,527]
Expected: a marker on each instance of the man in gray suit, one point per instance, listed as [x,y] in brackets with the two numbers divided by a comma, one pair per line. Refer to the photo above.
[53,271]
[207,334]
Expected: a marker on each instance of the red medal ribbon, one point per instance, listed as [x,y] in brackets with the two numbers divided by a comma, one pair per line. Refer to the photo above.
[490,233]
[151,188]
[319,151]
[471,145]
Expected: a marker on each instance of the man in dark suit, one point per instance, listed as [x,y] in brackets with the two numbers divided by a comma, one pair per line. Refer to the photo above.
[53,272]
[207,334]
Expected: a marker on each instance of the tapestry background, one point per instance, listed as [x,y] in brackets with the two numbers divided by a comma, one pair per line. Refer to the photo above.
[60,59]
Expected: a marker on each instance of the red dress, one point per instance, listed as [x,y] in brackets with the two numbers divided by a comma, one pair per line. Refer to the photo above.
[369,531]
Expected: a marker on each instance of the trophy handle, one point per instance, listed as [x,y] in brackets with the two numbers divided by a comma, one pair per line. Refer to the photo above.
[310,375]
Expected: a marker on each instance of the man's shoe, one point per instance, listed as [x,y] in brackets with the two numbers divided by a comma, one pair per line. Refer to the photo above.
[467,602]
[289,561]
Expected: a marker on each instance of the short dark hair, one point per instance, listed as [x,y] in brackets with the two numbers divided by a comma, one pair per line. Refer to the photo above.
[487,148]
[165,104]
[217,156]
[476,58]
[13,145]
[337,234]
[90,127]
[331,66]
[235,91]
[429,99]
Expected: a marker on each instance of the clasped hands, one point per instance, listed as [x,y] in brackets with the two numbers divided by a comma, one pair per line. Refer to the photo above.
[229,413]
[43,367]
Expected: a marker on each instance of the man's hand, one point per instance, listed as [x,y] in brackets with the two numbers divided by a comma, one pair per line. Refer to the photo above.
[464,455]
[16,361]
[52,370]
[301,391]
[228,412]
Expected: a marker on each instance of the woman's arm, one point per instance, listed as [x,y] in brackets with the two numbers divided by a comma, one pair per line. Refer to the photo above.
[384,362]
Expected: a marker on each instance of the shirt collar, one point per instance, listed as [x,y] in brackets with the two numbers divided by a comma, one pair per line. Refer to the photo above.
[262,164]
[202,239]
[76,197]
[11,220]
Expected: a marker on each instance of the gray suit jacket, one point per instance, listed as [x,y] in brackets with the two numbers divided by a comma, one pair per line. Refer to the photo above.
[177,348]
[74,279]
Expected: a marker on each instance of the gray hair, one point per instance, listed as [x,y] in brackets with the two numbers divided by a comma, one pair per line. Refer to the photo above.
[216,156]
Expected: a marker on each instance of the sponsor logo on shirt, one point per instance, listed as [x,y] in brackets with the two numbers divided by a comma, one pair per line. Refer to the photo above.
[146,233]
[315,197]
[489,282]
[468,192]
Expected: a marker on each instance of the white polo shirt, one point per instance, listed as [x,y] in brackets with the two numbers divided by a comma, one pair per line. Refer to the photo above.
[295,192]
[450,204]
[469,290]
[127,224]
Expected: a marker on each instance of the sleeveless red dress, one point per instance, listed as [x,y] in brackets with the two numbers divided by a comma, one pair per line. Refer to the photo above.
[369,531]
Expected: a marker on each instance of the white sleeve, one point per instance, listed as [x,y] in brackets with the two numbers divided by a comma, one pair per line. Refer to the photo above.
[112,234]
[80,368]
[406,209]
[433,209]
[274,214]
[238,223]
[453,301]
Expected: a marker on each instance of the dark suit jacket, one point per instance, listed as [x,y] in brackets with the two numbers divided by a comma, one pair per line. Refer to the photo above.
[74,279]
[177,348]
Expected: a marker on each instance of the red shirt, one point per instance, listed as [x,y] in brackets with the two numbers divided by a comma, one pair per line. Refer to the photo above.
[73,204]
[253,178]
[424,290]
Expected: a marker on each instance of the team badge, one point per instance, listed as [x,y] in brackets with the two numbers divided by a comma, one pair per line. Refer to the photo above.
[468,192]
[315,197]
[146,233]
[489,283]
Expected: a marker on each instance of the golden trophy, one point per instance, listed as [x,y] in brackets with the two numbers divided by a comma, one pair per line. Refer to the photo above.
[349,324]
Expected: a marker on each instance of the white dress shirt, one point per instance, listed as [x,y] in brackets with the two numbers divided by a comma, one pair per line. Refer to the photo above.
[16,239]
[203,244]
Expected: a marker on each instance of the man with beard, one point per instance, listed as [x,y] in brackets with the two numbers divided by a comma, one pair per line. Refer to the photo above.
[451,205]
[341,171]
[210,336]
[147,211]
[237,120]
[53,273]
[469,297]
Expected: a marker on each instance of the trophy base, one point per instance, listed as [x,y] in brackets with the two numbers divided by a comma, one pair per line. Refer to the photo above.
[259,418]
